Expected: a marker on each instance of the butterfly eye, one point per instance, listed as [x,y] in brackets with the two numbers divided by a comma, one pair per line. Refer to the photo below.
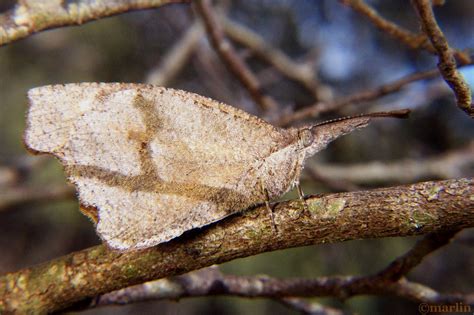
[306,137]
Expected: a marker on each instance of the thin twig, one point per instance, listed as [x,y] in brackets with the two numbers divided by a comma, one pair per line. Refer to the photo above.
[213,75]
[359,97]
[335,184]
[204,282]
[8,176]
[299,72]
[446,56]
[228,55]
[414,41]
[19,196]
[176,58]
[18,171]
[309,308]
[452,164]
[404,264]
[29,16]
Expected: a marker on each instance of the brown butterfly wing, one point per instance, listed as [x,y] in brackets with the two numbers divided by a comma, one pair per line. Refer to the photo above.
[154,162]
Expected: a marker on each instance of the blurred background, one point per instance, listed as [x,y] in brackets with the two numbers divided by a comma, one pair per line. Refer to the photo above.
[344,54]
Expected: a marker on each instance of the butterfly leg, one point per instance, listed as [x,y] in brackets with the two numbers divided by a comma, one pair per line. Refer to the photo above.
[267,205]
[302,199]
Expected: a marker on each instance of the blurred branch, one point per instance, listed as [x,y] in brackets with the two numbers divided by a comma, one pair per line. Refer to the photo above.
[229,56]
[13,173]
[197,285]
[210,281]
[214,76]
[299,72]
[18,196]
[396,211]
[8,176]
[446,56]
[335,184]
[356,98]
[414,41]
[204,282]
[29,16]
[13,189]
[449,165]
[309,308]
[404,264]
[342,287]
[176,58]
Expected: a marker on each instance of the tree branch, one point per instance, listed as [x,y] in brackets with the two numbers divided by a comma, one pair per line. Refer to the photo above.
[204,282]
[452,164]
[309,308]
[414,41]
[396,211]
[176,57]
[298,72]
[314,174]
[230,58]
[30,16]
[356,98]
[446,59]
[404,264]
[343,287]
[20,169]
[210,281]
[17,196]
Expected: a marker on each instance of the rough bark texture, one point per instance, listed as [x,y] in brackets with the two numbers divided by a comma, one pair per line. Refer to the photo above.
[396,211]
[446,58]
[30,16]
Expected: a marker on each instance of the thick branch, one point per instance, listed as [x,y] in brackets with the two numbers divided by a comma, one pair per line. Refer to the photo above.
[397,211]
[31,16]
[446,56]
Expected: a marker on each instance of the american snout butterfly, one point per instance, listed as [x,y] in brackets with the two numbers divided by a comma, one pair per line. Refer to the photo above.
[150,163]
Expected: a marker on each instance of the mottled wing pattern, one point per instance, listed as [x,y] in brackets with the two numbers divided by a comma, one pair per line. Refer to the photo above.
[153,162]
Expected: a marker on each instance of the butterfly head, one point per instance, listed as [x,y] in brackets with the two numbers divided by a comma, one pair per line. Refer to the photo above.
[305,138]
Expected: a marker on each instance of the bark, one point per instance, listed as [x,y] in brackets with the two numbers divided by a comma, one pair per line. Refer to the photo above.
[446,56]
[397,211]
[30,16]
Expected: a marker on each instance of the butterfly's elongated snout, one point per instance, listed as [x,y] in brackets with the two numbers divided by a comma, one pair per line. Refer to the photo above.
[401,113]
[329,130]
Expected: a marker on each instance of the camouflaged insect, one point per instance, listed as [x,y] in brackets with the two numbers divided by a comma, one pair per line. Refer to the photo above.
[150,163]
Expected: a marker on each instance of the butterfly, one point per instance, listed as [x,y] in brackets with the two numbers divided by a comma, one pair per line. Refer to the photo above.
[150,163]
